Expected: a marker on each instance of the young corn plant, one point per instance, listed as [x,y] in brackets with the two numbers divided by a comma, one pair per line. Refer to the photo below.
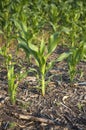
[13,81]
[41,54]
[76,55]
[6,29]
[77,46]
[53,17]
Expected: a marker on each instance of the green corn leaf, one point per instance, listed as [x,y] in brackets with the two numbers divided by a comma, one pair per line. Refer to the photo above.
[24,47]
[10,72]
[42,47]
[21,39]
[63,56]
[33,47]
[53,9]
[1,32]
[32,70]
[23,27]
[66,30]
[42,64]
[15,87]
[53,42]
[19,24]
[11,77]
[35,54]
[84,48]
[53,25]
[50,65]
[1,51]
[29,51]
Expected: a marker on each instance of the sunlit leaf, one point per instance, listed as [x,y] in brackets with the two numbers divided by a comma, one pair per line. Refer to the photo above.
[53,42]
[66,30]
[63,56]
[42,47]
[33,47]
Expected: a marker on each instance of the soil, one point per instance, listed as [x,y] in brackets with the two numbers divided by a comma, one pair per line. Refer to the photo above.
[62,108]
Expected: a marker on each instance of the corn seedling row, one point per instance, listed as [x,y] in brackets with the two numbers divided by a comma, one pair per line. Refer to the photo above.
[25,20]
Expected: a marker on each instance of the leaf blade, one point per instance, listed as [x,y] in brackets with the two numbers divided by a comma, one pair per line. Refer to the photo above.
[53,42]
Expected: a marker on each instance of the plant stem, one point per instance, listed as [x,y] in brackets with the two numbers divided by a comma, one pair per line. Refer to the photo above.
[43,85]
[13,98]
